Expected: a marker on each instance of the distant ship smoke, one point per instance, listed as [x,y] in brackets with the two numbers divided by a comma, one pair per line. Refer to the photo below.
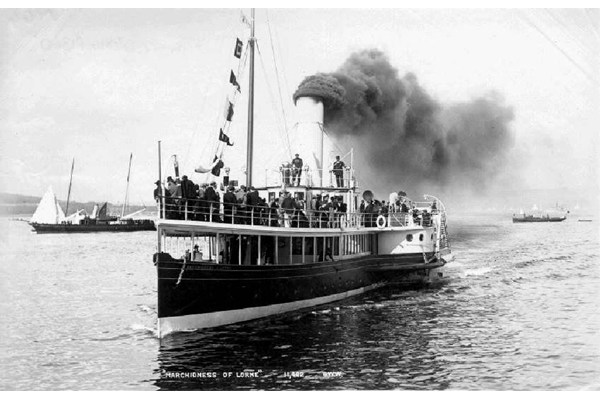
[402,135]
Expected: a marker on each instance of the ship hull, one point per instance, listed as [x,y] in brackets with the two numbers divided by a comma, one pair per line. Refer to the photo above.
[533,219]
[142,225]
[198,295]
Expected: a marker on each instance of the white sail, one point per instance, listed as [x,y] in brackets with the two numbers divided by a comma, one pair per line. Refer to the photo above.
[76,217]
[94,212]
[48,211]
[129,216]
[202,170]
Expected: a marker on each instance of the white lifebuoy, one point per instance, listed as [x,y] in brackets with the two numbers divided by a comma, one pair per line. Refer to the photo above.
[381,221]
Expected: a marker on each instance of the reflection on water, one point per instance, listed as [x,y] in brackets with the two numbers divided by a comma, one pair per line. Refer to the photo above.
[518,310]
[372,342]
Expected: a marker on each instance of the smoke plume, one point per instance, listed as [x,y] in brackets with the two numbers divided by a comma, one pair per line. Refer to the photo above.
[402,136]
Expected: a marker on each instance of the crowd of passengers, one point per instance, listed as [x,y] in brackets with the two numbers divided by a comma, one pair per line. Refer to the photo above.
[185,199]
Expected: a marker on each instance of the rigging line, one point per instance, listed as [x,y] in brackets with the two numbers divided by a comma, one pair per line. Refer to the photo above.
[356,174]
[566,32]
[284,135]
[556,46]
[593,23]
[276,73]
[285,82]
[194,133]
[286,130]
[273,103]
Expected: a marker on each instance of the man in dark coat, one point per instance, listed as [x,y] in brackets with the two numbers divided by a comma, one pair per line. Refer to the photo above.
[252,200]
[288,205]
[229,204]
[188,193]
[296,170]
[212,198]
[338,171]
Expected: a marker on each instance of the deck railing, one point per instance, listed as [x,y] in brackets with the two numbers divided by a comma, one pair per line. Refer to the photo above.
[234,213]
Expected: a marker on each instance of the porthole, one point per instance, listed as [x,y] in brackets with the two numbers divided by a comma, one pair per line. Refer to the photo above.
[432,236]
[421,237]
[409,237]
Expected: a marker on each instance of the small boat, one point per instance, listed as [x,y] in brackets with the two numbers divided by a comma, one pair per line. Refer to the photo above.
[50,218]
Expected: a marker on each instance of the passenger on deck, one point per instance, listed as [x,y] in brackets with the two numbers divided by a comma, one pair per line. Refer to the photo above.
[404,207]
[202,205]
[196,254]
[242,200]
[212,198]
[174,194]
[286,171]
[338,171]
[288,206]
[273,218]
[296,170]
[195,204]
[252,210]
[187,194]
[229,205]
[384,209]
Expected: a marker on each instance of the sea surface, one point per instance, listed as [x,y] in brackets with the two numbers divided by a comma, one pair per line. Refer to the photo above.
[519,310]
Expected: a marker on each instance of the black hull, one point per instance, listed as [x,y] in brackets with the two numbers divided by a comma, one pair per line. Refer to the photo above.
[216,291]
[539,219]
[141,225]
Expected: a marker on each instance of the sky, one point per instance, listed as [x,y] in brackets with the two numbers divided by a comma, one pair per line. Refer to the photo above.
[95,85]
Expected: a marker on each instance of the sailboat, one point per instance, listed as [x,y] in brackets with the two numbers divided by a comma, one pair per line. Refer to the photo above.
[221,263]
[50,218]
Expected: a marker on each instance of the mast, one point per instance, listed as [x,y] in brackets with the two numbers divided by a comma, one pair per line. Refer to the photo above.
[250,106]
[127,190]
[161,198]
[69,193]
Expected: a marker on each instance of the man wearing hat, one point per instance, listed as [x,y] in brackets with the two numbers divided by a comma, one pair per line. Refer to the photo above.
[157,193]
[296,169]
[229,205]
[188,193]
[212,198]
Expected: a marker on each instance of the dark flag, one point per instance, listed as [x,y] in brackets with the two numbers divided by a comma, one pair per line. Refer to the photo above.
[224,138]
[216,170]
[229,111]
[239,45]
[234,81]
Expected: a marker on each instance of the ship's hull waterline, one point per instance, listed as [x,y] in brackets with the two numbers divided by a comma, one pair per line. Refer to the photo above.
[196,295]
[91,228]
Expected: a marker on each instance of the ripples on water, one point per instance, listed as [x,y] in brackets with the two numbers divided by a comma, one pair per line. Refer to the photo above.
[517,311]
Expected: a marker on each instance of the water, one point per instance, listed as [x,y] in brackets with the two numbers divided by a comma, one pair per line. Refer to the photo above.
[519,311]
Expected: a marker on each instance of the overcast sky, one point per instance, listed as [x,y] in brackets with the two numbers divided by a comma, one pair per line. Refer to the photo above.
[96,85]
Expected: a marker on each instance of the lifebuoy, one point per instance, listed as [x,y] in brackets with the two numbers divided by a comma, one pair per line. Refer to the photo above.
[381,221]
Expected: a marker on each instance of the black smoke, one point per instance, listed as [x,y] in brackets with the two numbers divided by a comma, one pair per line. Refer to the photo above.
[403,137]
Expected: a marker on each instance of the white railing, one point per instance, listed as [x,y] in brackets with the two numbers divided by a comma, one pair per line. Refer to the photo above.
[260,215]
[289,176]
